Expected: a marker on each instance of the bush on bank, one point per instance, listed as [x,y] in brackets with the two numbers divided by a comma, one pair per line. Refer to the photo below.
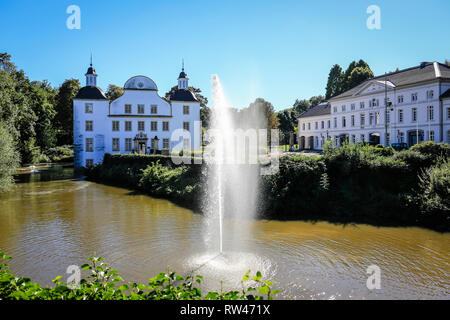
[355,183]
[104,283]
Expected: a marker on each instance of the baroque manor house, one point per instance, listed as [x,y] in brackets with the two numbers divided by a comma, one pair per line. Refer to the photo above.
[139,121]
[406,106]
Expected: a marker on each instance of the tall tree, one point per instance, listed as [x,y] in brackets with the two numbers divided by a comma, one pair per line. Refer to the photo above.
[363,74]
[335,82]
[113,92]
[64,108]
[9,158]
[205,112]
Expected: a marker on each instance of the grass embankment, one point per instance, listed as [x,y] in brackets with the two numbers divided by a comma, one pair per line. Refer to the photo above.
[351,184]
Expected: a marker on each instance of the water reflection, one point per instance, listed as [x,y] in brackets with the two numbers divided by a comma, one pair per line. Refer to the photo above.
[47,226]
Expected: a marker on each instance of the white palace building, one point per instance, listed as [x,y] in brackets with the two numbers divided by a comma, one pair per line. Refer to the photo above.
[139,121]
[405,106]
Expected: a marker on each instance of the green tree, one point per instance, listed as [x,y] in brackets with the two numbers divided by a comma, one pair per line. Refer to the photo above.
[9,158]
[114,92]
[205,112]
[64,110]
[352,79]
[301,106]
[335,82]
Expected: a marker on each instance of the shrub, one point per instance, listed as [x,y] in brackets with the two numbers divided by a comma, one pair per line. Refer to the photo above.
[59,154]
[9,158]
[104,283]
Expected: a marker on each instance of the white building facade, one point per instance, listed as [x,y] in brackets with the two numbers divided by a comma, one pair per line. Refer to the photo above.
[139,121]
[417,109]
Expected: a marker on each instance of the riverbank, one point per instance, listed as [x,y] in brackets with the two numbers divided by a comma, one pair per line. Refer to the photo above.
[352,184]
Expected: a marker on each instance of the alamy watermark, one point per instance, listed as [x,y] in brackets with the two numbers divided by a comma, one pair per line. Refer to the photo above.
[374,20]
[374,280]
[74,20]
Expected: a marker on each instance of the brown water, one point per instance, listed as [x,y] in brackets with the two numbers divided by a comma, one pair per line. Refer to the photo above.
[48,225]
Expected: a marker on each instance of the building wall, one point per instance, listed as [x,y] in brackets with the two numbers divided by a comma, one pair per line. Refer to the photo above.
[104,114]
[348,107]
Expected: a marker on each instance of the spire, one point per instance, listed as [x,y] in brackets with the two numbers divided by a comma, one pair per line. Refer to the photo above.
[91,75]
[182,78]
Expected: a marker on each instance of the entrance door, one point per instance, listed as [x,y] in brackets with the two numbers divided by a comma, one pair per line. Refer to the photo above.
[374,139]
[413,136]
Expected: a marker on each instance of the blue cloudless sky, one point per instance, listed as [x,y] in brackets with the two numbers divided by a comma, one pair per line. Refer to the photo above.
[279,50]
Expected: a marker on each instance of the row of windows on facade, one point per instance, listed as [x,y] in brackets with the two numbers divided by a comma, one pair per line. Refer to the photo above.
[374,118]
[89,108]
[89,126]
[129,146]
[376,102]
[362,138]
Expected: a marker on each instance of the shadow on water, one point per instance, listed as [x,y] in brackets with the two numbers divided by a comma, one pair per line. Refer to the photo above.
[46,172]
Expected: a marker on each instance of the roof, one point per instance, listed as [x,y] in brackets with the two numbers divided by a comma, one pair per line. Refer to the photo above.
[183,95]
[91,92]
[183,75]
[91,70]
[423,72]
[446,95]
[140,83]
[319,110]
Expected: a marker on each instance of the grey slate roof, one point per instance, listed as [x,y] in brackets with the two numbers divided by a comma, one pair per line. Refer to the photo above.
[446,95]
[91,92]
[425,71]
[183,95]
[319,110]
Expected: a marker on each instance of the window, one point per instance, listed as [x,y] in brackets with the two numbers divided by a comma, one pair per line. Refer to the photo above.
[334,109]
[371,118]
[374,103]
[141,125]
[353,121]
[361,105]
[127,125]
[154,126]
[89,145]
[128,108]
[317,125]
[414,97]
[388,117]
[400,99]
[127,144]
[352,106]
[115,144]
[329,124]
[154,109]
[343,108]
[353,138]
[431,135]
[165,143]
[89,108]
[448,113]
[377,117]
[430,94]
[400,116]
[303,127]
[185,109]
[363,119]
[401,137]
[414,114]
[115,126]
[186,126]
[309,126]
[186,144]
[430,113]
[335,122]
[448,136]
[165,125]
[362,138]
[89,163]
[141,109]
[154,144]
[323,125]
[343,122]
[89,125]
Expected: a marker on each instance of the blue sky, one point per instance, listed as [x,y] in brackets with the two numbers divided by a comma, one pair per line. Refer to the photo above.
[279,50]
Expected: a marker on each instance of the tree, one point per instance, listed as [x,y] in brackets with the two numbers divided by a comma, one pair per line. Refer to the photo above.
[64,110]
[9,158]
[447,62]
[205,112]
[301,106]
[113,92]
[335,82]
[358,77]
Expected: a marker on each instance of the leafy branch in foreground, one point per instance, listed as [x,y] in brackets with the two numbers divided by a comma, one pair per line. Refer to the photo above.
[104,283]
